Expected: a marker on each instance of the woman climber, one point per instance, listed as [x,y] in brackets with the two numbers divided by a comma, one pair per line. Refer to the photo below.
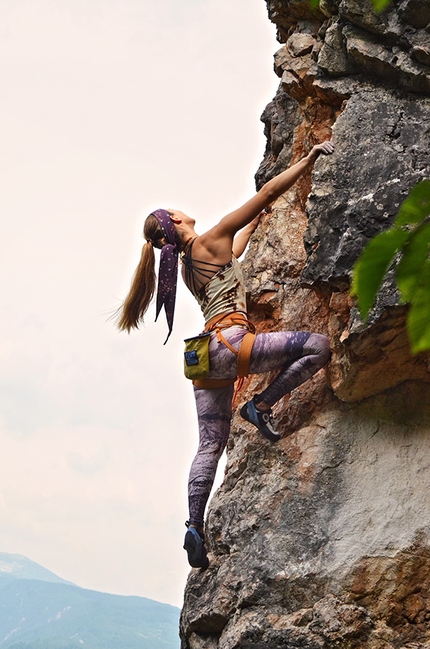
[212,273]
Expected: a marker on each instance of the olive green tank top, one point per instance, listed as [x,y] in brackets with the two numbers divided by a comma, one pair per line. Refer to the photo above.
[225,290]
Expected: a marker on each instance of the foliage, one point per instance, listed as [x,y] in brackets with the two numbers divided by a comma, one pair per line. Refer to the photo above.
[408,237]
[380,5]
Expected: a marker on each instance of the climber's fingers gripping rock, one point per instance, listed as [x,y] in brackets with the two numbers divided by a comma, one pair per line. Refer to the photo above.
[326,148]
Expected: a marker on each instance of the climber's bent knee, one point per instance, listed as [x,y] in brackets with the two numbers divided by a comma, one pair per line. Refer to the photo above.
[318,345]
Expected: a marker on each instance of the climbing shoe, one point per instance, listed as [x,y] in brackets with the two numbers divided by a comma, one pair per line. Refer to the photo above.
[262,419]
[195,547]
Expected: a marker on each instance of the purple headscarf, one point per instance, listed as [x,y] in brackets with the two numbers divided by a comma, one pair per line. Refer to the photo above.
[168,272]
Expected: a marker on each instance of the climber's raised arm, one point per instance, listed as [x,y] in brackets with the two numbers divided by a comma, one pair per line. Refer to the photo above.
[238,219]
[241,239]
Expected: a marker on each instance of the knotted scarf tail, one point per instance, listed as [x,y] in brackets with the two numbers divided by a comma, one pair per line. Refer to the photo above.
[168,271]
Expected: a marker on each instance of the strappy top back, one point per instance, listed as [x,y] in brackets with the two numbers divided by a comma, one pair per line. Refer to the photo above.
[225,290]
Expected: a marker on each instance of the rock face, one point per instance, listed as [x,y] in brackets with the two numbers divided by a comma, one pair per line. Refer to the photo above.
[323,540]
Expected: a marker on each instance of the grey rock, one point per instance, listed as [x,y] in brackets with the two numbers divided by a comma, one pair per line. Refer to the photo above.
[333,57]
[420,43]
[323,540]
[300,44]
[362,14]
[387,137]
[299,527]
[286,15]
[415,12]
[390,63]
[329,7]
[279,118]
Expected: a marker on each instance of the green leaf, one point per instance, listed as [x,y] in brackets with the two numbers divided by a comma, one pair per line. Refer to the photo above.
[314,4]
[373,263]
[415,253]
[380,5]
[418,322]
[416,206]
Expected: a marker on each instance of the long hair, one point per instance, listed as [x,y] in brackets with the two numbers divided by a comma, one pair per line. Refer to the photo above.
[142,287]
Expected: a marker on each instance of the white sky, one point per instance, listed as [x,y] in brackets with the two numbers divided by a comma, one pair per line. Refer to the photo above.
[109,109]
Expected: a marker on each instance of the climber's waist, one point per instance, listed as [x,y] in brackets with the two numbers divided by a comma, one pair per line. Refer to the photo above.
[233,319]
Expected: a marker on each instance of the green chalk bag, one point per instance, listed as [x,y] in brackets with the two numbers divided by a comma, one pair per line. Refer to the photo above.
[196,356]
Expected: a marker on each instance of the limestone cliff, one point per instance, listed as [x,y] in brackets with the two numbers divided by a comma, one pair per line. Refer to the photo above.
[323,540]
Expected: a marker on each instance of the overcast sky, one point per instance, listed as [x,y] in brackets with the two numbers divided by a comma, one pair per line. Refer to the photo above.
[110,109]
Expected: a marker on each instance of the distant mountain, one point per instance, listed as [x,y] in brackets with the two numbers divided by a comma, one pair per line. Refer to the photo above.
[49,613]
[15,566]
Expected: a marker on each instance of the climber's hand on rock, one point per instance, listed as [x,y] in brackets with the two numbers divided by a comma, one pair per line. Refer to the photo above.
[326,148]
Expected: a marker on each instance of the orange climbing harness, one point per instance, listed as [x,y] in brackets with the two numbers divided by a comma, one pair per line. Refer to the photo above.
[217,324]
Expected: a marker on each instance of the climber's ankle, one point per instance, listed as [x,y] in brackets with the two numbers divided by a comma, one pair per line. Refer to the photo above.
[262,406]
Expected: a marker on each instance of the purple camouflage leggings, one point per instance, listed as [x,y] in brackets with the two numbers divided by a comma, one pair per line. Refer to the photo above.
[297,354]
